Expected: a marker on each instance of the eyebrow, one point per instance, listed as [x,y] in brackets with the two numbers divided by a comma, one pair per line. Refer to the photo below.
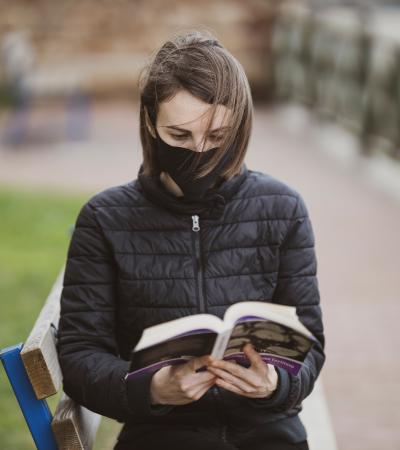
[183,129]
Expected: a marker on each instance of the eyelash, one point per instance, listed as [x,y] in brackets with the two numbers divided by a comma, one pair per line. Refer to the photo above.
[183,137]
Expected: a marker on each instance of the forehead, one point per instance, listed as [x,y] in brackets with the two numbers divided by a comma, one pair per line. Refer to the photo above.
[189,112]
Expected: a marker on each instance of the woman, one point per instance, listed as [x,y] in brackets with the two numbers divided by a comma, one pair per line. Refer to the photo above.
[196,232]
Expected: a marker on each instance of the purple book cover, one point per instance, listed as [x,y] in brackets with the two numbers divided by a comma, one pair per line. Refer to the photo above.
[176,350]
[291,366]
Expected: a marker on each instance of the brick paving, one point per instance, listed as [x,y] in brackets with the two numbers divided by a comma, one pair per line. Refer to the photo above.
[356,225]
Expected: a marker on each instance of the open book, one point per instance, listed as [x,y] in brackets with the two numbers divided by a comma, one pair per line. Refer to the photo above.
[274,330]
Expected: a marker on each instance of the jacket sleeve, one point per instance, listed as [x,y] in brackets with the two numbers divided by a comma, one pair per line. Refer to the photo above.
[93,372]
[297,285]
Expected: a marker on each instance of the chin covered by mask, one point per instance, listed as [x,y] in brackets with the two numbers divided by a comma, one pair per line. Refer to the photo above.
[179,161]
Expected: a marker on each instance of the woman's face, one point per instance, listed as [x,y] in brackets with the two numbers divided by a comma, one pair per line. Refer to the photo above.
[182,122]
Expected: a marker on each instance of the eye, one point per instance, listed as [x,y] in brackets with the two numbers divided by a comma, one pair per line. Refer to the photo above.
[180,137]
[217,138]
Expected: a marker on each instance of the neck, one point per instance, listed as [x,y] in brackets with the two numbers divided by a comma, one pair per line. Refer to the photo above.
[170,184]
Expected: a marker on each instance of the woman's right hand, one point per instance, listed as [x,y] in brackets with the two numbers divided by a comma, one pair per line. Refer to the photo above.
[181,384]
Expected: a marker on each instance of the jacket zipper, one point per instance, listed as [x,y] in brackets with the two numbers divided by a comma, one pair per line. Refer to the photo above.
[217,394]
[223,433]
[196,229]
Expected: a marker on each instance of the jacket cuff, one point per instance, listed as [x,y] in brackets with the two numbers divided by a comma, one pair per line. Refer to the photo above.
[281,392]
[139,397]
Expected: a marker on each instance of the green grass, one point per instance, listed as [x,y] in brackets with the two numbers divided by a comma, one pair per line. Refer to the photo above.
[34,239]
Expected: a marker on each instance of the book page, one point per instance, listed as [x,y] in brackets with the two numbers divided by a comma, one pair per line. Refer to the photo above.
[277,344]
[283,314]
[167,330]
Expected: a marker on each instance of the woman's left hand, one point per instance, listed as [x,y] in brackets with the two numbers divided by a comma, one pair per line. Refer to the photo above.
[257,381]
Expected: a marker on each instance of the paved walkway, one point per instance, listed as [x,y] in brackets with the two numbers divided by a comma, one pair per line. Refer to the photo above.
[355,210]
[357,225]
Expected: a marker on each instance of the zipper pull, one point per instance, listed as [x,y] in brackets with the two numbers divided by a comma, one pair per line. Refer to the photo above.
[195,220]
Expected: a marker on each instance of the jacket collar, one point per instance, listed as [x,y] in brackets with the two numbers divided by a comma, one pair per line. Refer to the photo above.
[210,207]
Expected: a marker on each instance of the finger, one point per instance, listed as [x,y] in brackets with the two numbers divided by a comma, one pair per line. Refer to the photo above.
[189,378]
[238,382]
[197,363]
[192,379]
[244,373]
[201,377]
[201,389]
[204,386]
[197,386]
[254,356]
[230,387]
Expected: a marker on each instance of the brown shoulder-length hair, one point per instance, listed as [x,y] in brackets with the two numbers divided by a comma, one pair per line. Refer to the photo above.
[197,62]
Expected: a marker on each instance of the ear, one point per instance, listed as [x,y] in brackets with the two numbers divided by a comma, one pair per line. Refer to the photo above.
[148,123]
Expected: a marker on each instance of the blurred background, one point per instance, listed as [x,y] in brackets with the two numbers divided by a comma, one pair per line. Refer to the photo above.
[325,77]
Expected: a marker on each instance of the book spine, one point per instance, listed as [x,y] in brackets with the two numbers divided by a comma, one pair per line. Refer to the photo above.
[220,344]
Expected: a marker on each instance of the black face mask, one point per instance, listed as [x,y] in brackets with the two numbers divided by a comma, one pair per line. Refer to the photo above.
[179,163]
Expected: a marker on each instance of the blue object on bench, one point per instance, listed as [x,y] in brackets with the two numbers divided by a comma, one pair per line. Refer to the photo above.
[36,412]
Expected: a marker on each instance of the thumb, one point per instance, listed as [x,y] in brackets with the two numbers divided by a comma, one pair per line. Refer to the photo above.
[201,361]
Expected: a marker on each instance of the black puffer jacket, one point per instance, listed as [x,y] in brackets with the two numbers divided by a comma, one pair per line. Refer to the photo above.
[135,259]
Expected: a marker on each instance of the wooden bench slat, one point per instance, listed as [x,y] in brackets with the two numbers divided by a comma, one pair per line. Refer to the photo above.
[74,426]
[39,353]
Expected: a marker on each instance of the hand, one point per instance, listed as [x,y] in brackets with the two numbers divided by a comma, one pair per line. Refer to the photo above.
[181,384]
[258,381]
